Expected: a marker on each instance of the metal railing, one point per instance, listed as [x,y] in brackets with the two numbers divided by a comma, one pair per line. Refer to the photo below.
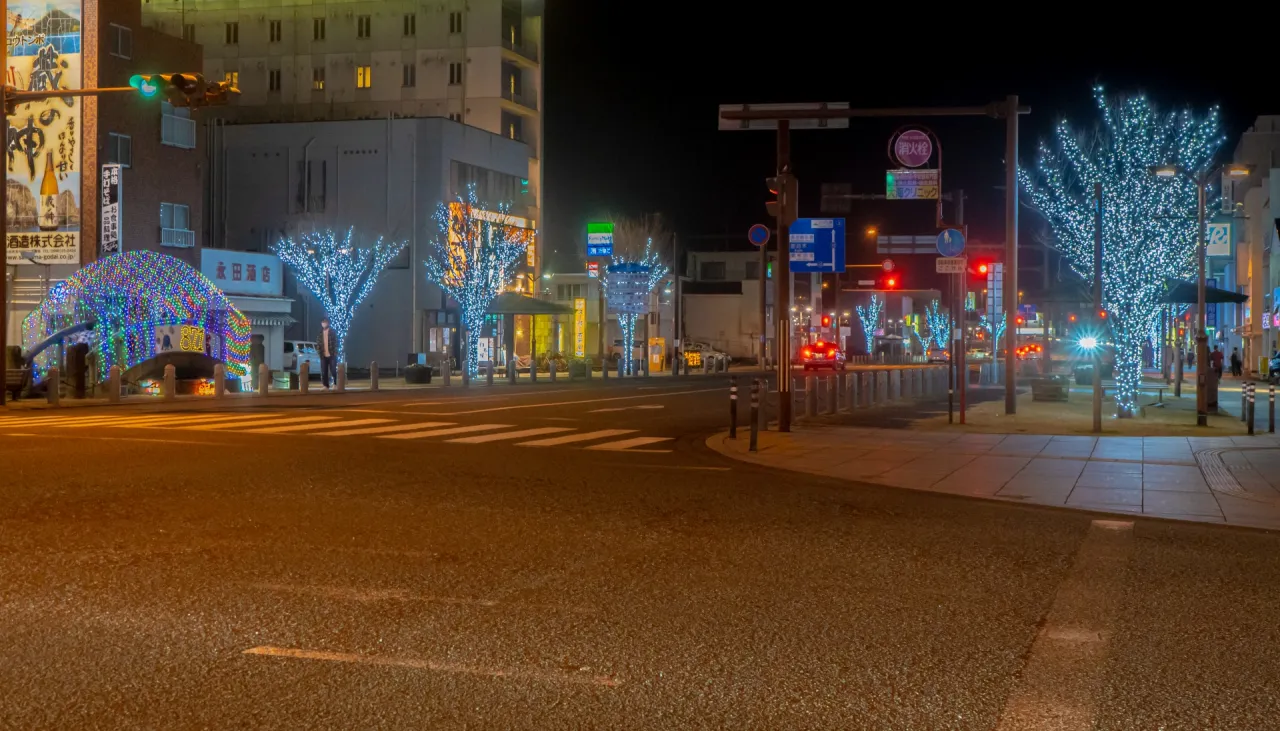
[528,50]
[177,237]
[523,100]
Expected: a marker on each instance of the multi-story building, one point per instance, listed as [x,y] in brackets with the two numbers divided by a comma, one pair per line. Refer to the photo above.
[64,144]
[1250,267]
[471,61]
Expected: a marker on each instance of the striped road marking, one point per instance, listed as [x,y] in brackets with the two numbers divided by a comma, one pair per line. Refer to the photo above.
[305,427]
[269,422]
[383,429]
[143,422]
[520,434]
[446,432]
[627,444]
[571,438]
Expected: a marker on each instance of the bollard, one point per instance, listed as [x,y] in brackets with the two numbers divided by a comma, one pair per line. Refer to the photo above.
[842,392]
[1271,408]
[170,388]
[342,378]
[304,378]
[810,395]
[488,376]
[755,412]
[604,367]
[513,376]
[1250,419]
[852,401]
[764,404]
[551,368]
[733,408]
[833,391]
[113,382]
[586,369]
[447,368]
[619,368]
[219,381]
[1244,401]
[264,378]
[866,387]
[53,384]
[373,376]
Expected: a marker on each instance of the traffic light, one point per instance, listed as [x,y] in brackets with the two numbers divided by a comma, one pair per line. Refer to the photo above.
[1018,320]
[889,281]
[183,90]
[785,191]
[982,268]
[1071,317]
[826,320]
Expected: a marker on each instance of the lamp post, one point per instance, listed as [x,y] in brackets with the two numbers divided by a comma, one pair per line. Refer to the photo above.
[1201,181]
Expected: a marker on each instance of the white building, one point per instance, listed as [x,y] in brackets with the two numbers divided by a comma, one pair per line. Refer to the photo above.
[472,61]
[1252,269]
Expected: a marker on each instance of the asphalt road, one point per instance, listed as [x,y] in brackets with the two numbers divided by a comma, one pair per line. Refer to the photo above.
[208,569]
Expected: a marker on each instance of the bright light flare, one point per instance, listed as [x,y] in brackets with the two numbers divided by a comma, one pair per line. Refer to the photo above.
[1088,342]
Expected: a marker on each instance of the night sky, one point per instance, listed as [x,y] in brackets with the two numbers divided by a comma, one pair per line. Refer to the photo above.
[631,92]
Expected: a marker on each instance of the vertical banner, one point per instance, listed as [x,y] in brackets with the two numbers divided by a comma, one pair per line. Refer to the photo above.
[110,188]
[579,326]
[43,161]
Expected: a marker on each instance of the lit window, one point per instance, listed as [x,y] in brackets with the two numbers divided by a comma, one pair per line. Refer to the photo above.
[233,78]
[364,77]
[317,78]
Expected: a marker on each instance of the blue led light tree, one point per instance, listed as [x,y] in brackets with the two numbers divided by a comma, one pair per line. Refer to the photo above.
[939,324]
[995,330]
[1149,224]
[473,259]
[869,318]
[634,249]
[339,273]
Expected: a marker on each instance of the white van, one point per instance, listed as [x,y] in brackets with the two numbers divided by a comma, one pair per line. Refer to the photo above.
[296,350]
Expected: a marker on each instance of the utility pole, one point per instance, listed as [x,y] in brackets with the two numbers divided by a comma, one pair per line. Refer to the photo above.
[764,310]
[782,347]
[1097,307]
[1011,253]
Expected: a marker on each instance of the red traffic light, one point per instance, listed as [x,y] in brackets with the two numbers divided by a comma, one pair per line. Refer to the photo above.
[982,268]
[1071,317]
[826,321]
[890,282]
[1018,320]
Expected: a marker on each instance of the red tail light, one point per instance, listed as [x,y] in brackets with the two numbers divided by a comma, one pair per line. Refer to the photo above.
[831,353]
[806,352]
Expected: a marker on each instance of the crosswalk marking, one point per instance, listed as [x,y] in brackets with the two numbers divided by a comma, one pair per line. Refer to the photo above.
[627,444]
[251,424]
[305,427]
[383,429]
[162,420]
[571,438]
[55,420]
[483,438]
[446,432]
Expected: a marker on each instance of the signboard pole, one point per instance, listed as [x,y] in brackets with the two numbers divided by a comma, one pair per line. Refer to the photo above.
[1011,252]
[764,312]
[783,336]
[960,354]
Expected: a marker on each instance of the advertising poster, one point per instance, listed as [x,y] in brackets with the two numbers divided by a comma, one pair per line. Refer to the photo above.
[110,188]
[43,168]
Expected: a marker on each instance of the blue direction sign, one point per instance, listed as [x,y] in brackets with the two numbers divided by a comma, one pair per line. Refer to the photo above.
[1211,310]
[951,242]
[817,245]
[758,234]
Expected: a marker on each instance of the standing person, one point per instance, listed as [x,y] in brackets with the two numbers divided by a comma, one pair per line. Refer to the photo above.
[327,344]
[1235,362]
[1216,358]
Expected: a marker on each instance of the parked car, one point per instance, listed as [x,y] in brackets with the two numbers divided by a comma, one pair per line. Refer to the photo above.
[939,356]
[821,355]
[702,355]
[296,350]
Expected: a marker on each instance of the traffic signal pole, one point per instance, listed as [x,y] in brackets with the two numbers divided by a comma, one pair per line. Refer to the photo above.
[1011,254]
[782,280]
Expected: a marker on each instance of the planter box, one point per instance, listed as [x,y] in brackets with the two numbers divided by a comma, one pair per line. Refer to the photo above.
[417,374]
[1052,388]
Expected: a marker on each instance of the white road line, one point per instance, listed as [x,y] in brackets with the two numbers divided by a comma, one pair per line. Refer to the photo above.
[305,427]
[627,444]
[570,439]
[56,420]
[160,420]
[1061,678]
[384,429]
[570,403]
[255,424]
[512,435]
[440,667]
[446,432]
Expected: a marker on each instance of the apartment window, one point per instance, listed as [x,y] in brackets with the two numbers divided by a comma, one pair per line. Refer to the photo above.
[455,73]
[233,34]
[317,78]
[189,32]
[753,270]
[512,126]
[273,80]
[277,31]
[455,117]
[177,128]
[364,26]
[233,78]
[120,149]
[175,226]
[711,271]
[120,39]
[317,29]
[364,77]
[410,24]
[455,22]
[410,75]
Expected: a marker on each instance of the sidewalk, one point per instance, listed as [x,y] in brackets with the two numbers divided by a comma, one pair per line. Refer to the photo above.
[1233,480]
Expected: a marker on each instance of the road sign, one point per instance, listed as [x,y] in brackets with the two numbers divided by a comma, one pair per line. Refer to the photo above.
[951,242]
[866,282]
[907,184]
[758,234]
[599,239]
[627,287]
[772,124]
[1211,310]
[593,269]
[912,148]
[1218,239]
[951,264]
[817,245]
[887,265]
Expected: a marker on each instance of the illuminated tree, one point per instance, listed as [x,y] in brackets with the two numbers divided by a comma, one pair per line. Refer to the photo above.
[994,330]
[473,259]
[939,324]
[634,247]
[869,318]
[340,273]
[1148,223]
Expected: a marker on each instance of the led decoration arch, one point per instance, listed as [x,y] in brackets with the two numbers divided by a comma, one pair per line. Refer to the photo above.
[128,296]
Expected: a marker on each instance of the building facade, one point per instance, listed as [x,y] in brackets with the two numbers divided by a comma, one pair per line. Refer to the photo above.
[477,62]
[1249,265]
[379,178]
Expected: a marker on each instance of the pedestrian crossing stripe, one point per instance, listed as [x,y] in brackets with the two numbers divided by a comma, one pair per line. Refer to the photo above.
[380,429]
[628,444]
[253,424]
[303,427]
[521,434]
[571,438]
[446,432]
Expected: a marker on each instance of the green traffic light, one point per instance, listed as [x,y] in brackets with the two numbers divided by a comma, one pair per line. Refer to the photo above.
[146,85]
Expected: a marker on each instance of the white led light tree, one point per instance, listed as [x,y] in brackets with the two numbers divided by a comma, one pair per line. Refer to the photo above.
[473,259]
[1148,223]
[995,330]
[339,273]
[637,243]
[869,318]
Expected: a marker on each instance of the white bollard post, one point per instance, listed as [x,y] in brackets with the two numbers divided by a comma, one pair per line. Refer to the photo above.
[342,378]
[219,381]
[53,382]
[264,379]
[513,376]
[113,384]
[304,377]
[373,376]
[551,368]
[170,389]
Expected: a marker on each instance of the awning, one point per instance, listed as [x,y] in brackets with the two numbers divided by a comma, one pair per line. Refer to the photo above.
[515,303]
[1181,292]
[267,320]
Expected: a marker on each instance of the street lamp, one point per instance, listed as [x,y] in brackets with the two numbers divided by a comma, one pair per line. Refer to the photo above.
[1201,181]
